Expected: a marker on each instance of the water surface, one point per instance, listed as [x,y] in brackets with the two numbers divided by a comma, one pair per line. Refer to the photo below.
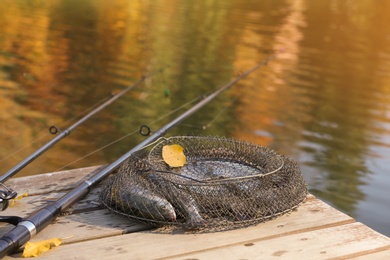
[325,100]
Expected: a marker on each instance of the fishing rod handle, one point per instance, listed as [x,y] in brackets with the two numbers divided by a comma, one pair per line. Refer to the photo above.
[40,219]
[14,239]
[26,229]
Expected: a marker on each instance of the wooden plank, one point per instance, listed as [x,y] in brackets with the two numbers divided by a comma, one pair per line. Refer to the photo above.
[319,230]
[86,226]
[340,241]
[89,226]
[29,204]
[384,254]
[46,188]
[312,215]
[26,205]
[51,182]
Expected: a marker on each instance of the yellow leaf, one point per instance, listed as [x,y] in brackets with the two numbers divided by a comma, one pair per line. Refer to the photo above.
[35,249]
[12,202]
[21,196]
[173,155]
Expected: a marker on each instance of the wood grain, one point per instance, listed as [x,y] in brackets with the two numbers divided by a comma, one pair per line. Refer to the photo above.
[314,231]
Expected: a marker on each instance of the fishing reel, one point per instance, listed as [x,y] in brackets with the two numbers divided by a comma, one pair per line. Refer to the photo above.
[6,194]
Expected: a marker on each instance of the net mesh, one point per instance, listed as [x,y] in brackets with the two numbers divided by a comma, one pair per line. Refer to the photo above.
[224,184]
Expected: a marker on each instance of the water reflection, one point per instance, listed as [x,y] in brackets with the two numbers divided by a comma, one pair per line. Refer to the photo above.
[323,101]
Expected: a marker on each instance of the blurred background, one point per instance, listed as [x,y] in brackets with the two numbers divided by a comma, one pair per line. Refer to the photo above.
[324,101]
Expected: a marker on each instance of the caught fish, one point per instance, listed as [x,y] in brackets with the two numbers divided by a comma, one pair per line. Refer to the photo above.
[182,201]
[231,196]
[146,203]
[137,199]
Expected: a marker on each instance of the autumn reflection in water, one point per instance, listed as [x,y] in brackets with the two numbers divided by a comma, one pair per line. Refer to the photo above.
[324,101]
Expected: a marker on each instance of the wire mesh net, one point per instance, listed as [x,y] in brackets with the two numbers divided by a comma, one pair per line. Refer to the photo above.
[224,184]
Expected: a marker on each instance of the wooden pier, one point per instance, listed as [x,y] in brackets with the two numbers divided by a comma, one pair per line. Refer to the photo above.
[314,231]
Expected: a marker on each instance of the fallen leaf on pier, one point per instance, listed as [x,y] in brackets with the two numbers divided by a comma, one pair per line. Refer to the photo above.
[33,249]
[12,202]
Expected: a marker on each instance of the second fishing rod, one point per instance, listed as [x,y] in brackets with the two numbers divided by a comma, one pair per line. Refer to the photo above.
[6,194]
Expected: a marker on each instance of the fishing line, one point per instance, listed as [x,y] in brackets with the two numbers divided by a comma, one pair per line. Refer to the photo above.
[213,120]
[21,149]
[54,129]
[131,133]
[82,113]
[68,130]
[146,128]
[57,129]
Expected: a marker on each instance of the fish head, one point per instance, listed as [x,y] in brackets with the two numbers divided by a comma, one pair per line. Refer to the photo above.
[168,212]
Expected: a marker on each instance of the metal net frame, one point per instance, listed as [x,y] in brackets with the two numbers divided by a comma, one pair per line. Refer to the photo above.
[224,184]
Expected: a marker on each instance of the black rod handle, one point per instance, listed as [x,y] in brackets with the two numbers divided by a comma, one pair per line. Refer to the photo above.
[26,229]
[14,239]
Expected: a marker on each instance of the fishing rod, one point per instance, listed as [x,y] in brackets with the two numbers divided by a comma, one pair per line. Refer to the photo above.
[6,194]
[38,220]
